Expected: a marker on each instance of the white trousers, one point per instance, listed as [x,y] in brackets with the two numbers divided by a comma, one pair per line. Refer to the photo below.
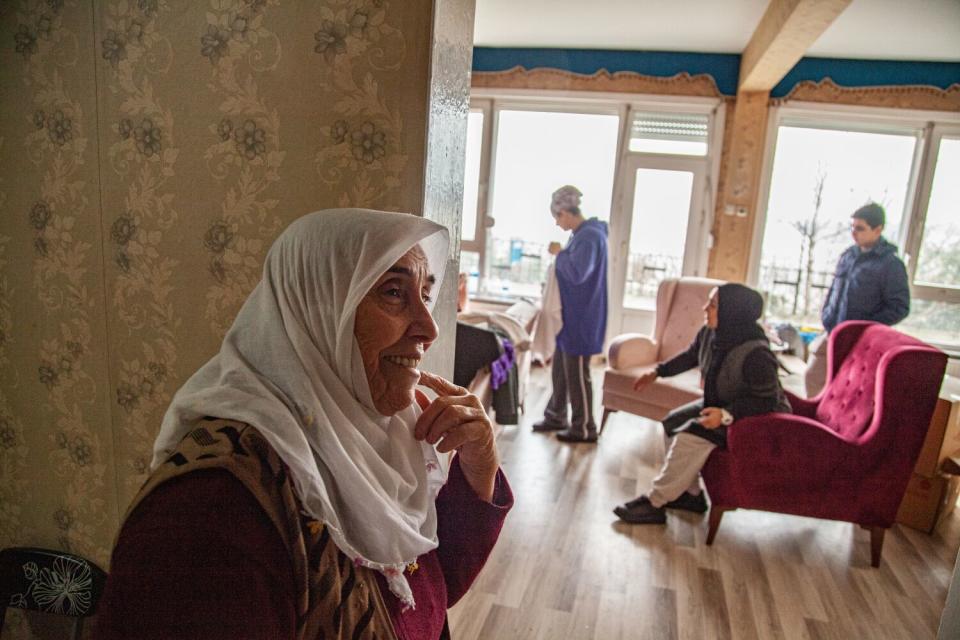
[686,455]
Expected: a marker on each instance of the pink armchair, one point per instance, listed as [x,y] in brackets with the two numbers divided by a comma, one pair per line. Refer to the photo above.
[846,454]
[679,316]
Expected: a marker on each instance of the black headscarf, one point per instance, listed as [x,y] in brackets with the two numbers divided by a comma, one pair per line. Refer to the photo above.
[738,309]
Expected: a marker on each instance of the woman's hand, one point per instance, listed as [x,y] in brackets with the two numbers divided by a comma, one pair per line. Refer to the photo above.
[711,417]
[645,379]
[554,248]
[456,420]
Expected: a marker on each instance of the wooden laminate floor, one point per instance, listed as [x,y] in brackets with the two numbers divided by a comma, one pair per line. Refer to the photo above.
[565,568]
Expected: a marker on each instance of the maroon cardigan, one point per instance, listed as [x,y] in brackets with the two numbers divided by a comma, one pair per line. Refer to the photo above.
[200,559]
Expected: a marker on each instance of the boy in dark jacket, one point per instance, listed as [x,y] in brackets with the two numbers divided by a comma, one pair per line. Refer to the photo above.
[870,283]
[581,272]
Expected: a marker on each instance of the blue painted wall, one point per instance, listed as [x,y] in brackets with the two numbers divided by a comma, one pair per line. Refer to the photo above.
[724,68]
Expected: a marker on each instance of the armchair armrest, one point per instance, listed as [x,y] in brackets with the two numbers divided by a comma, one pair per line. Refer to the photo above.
[787,445]
[631,350]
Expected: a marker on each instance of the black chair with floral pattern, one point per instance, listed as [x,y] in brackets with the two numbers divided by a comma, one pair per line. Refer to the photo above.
[49,581]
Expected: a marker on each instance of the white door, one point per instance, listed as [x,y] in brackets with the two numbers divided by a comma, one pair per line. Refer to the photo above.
[658,230]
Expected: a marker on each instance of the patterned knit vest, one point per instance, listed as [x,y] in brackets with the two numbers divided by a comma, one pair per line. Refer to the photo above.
[334,598]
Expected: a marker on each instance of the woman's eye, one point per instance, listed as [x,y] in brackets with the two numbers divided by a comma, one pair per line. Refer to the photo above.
[394,293]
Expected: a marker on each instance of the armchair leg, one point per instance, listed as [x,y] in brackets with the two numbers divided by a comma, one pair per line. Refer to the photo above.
[716,514]
[876,545]
[603,420]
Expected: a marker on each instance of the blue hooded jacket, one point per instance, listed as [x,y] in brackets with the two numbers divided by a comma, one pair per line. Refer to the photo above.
[581,271]
[868,285]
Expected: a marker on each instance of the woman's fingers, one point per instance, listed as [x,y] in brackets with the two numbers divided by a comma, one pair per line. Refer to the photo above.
[455,419]
[441,386]
[449,394]
[463,434]
[449,416]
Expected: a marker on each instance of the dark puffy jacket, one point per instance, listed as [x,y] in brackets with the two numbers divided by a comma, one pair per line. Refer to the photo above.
[868,285]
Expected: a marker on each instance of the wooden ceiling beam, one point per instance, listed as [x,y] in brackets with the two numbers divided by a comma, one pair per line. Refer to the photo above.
[785,32]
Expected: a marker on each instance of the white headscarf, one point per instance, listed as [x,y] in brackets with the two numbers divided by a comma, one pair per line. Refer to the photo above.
[290,366]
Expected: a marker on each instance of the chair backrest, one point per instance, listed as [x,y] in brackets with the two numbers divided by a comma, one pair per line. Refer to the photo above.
[680,312]
[49,581]
[848,402]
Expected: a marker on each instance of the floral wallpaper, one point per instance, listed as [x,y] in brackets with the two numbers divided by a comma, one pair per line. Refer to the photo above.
[150,152]
[57,441]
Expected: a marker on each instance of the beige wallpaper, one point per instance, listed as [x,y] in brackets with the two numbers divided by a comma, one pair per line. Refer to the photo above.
[57,480]
[150,151]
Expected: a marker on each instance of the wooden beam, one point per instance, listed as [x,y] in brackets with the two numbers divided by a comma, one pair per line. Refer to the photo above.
[740,167]
[785,32]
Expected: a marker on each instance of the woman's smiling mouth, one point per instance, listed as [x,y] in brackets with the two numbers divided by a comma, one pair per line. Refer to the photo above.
[403,361]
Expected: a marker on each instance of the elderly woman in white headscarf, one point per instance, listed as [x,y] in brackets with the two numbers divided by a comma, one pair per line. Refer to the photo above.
[296,487]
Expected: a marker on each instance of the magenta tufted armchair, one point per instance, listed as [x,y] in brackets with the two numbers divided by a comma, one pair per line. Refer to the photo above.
[845,454]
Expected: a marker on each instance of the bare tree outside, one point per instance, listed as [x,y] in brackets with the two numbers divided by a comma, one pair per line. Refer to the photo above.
[810,230]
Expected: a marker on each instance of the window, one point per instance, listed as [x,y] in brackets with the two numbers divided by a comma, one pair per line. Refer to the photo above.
[938,260]
[537,152]
[471,174]
[643,166]
[675,133]
[825,164]
[820,177]
[658,233]
[935,241]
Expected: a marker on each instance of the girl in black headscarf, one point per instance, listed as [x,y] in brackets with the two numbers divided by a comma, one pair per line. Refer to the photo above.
[739,379]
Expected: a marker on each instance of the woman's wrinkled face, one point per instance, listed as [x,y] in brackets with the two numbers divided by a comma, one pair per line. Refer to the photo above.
[393,328]
[710,310]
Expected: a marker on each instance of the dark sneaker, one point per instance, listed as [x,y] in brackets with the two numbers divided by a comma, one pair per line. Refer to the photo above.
[637,502]
[548,425]
[640,511]
[569,435]
[689,502]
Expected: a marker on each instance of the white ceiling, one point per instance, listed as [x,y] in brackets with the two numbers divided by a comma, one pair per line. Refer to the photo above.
[868,29]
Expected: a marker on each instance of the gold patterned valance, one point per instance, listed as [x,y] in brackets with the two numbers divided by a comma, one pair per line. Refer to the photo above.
[892,96]
[682,84]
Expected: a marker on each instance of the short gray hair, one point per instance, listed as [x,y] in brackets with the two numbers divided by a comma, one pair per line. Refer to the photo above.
[566,198]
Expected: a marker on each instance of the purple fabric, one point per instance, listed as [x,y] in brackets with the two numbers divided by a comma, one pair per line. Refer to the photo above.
[852,470]
[500,368]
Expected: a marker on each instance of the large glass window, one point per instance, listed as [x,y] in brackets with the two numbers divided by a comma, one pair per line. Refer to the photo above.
[935,308]
[820,177]
[471,174]
[938,262]
[658,233]
[537,152]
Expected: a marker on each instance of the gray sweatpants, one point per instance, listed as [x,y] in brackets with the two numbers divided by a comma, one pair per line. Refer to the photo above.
[572,387]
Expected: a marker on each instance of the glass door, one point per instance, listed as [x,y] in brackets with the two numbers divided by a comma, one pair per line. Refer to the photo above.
[658,232]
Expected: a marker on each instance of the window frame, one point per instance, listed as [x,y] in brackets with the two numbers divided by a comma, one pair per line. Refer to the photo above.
[929,127]
[493,101]
[934,134]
